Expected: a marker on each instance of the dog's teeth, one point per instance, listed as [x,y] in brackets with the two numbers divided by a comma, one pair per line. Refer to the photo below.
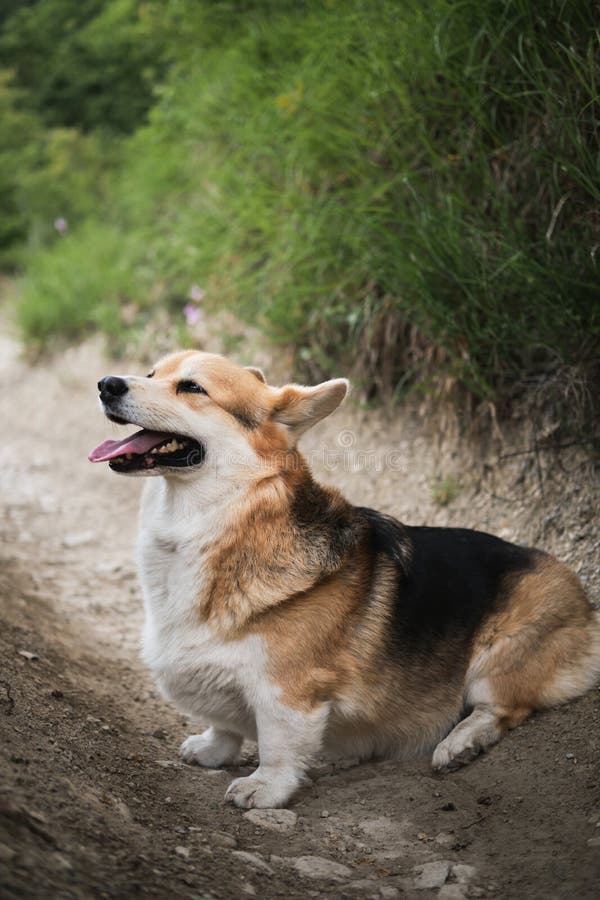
[170,446]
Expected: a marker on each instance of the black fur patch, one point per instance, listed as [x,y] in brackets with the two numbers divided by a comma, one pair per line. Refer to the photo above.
[325,522]
[449,581]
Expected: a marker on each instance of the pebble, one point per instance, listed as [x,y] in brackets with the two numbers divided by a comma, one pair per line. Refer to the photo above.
[184,852]
[272,819]
[594,842]
[451,892]
[431,875]
[319,867]
[464,873]
[445,839]
[254,860]
[222,839]
[27,654]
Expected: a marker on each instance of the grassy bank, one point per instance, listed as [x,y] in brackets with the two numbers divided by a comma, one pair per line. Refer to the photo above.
[407,191]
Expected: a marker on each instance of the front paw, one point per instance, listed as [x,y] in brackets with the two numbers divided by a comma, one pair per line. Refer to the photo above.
[211,749]
[263,790]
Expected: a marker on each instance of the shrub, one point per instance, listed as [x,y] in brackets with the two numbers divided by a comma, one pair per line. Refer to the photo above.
[401,190]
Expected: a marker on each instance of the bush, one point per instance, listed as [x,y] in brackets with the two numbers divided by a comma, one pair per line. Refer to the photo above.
[395,189]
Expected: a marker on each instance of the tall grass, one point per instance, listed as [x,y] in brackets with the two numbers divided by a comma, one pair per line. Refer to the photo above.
[398,189]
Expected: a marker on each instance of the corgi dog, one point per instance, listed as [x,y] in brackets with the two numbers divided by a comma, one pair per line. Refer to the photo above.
[278,611]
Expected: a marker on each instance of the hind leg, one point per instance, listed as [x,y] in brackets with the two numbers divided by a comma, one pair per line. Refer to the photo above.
[480,730]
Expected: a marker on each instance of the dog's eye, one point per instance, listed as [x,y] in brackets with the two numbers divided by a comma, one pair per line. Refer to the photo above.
[189,387]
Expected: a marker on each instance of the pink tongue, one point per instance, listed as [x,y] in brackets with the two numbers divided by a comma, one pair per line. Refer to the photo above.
[135,443]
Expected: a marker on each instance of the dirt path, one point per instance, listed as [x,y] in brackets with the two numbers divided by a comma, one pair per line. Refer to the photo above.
[93,800]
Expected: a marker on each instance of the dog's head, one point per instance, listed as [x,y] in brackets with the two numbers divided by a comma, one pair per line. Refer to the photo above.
[198,408]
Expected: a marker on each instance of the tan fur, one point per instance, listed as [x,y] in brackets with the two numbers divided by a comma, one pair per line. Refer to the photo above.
[546,632]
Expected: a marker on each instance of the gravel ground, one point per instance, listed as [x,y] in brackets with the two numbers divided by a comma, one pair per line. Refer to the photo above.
[93,800]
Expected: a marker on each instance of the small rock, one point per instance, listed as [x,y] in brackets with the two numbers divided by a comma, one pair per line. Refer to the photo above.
[254,860]
[184,852]
[222,839]
[56,694]
[319,867]
[389,892]
[27,654]
[78,538]
[431,875]
[324,813]
[7,854]
[594,842]
[451,892]
[569,755]
[463,873]
[450,806]
[272,819]
[445,839]
[122,809]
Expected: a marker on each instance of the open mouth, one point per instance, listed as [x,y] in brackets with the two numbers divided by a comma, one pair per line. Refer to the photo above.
[149,450]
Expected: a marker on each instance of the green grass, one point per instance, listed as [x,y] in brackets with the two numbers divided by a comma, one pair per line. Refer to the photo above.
[406,191]
[445,489]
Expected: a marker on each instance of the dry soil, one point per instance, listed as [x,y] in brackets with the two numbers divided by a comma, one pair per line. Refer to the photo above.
[93,800]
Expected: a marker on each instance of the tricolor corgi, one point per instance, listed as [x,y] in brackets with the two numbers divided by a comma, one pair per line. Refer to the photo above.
[278,611]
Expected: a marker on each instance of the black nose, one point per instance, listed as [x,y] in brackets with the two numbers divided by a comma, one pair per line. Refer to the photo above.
[112,386]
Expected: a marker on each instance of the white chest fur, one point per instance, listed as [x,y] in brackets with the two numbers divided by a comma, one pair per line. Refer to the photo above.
[207,678]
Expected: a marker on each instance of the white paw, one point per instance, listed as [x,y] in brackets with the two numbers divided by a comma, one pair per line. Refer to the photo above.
[262,791]
[452,753]
[211,749]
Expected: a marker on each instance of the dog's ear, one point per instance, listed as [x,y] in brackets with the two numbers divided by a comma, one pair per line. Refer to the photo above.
[257,372]
[302,407]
